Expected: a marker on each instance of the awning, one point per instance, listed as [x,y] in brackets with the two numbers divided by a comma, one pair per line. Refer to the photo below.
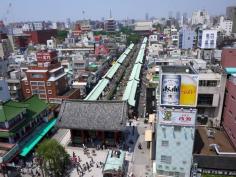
[36,136]
[148,135]
[151,118]
[230,70]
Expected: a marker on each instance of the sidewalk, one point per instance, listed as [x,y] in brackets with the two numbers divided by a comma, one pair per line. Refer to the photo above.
[142,164]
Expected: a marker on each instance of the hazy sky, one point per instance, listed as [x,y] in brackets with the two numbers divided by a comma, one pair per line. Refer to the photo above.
[28,10]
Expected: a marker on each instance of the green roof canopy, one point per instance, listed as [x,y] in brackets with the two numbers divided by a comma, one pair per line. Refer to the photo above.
[111,72]
[97,90]
[8,112]
[130,92]
[230,70]
[36,136]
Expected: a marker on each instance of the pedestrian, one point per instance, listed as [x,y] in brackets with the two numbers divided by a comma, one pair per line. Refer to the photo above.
[133,130]
[87,164]
[77,168]
[129,149]
[130,123]
[140,146]
[32,172]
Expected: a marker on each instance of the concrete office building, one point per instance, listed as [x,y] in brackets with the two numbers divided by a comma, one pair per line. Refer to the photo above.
[231,14]
[211,90]
[186,38]
[176,121]
[200,17]
[225,26]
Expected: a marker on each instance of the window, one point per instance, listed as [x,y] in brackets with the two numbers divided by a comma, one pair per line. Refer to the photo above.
[34,75]
[177,128]
[48,84]
[27,91]
[207,36]
[34,83]
[49,91]
[208,83]
[166,159]
[26,83]
[205,99]
[41,83]
[34,92]
[41,91]
[212,35]
[165,143]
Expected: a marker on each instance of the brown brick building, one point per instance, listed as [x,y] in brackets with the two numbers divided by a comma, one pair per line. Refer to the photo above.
[47,79]
[41,36]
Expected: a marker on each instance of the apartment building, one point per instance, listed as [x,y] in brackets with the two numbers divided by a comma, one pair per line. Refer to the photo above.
[47,79]
[211,89]
[207,38]
[186,38]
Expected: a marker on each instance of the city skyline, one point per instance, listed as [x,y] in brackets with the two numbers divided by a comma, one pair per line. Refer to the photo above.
[13,11]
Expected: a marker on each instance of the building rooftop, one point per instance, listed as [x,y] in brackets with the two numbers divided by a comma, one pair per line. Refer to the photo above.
[178,69]
[93,115]
[8,112]
[203,140]
[114,162]
[32,106]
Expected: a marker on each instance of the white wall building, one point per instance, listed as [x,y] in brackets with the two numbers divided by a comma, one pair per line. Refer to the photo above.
[207,38]
[225,26]
[200,17]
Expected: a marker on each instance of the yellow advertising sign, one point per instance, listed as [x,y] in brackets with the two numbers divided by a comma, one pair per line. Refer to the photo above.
[179,90]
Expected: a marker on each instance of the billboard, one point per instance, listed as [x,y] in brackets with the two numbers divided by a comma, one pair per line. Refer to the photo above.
[182,117]
[179,89]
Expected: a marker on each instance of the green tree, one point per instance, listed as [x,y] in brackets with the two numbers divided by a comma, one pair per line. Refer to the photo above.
[53,157]
[126,30]
[135,38]
[61,35]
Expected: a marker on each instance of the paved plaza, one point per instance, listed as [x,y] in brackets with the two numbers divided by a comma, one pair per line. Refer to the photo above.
[94,171]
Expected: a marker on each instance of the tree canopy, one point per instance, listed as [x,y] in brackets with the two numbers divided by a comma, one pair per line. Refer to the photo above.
[135,38]
[61,35]
[54,159]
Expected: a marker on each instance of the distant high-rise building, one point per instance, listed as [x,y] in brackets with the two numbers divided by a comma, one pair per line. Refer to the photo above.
[185,18]
[225,26]
[178,17]
[231,14]
[170,15]
[200,17]
[146,16]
